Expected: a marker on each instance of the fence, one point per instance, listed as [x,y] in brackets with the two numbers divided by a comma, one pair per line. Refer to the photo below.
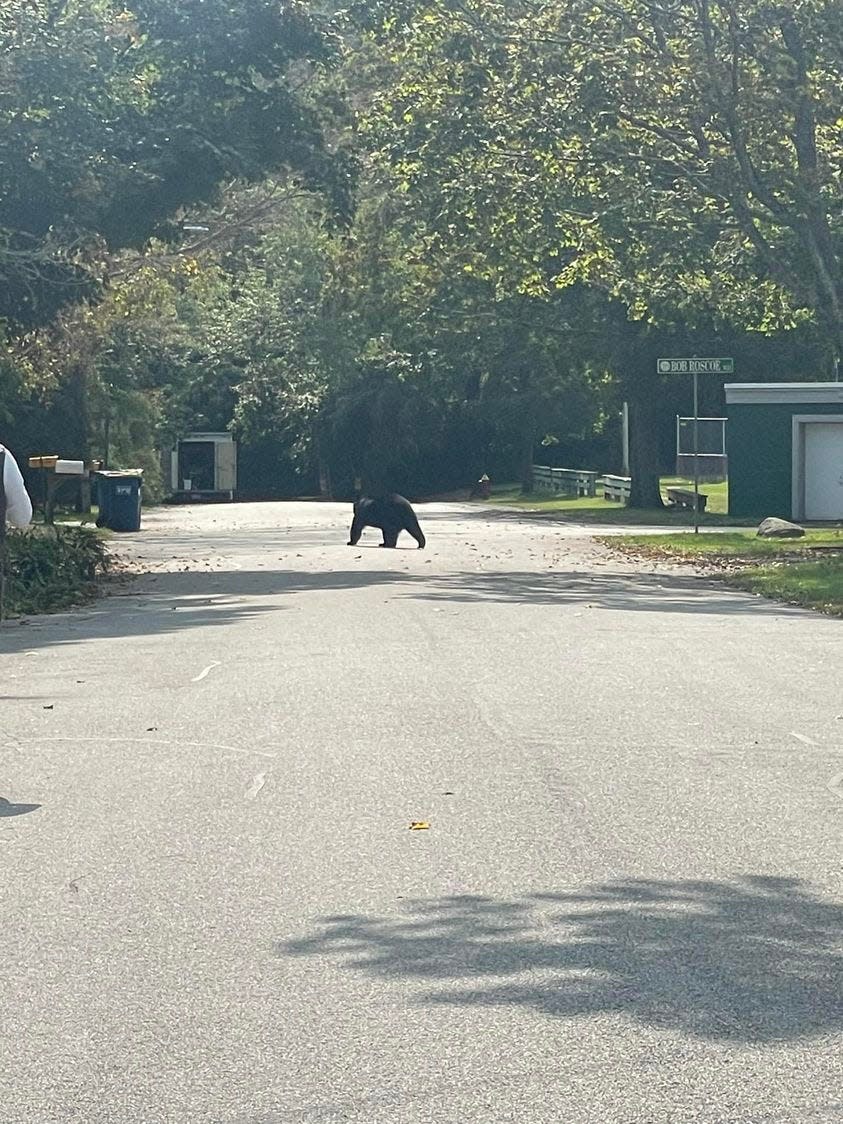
[579,482]
[616,488]
[564,481]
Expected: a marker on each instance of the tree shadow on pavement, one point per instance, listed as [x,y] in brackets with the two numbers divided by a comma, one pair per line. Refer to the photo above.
[149,613]
[662,593]
[756,960]
[172,602]
[628,592]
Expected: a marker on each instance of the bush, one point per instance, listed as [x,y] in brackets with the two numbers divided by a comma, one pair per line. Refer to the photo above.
[51,568]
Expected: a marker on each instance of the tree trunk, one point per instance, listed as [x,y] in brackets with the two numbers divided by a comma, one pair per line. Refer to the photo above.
[322,467]
[643,441]
[528,445]
[83,502]
[325,489]
[81,448]
[813,225]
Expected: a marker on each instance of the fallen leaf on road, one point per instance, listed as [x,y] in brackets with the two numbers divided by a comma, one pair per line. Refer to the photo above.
[419,825]
[50,707]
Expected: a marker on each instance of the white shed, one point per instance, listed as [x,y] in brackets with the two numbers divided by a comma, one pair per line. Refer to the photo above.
[204,465]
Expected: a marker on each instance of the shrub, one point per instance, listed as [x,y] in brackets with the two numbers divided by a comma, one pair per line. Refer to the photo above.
[51,568]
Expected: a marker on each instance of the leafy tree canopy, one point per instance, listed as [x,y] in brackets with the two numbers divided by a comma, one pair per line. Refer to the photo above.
[114,119]
[684,156]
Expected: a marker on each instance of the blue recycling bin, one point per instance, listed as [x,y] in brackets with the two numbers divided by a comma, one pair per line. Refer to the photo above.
[120,495]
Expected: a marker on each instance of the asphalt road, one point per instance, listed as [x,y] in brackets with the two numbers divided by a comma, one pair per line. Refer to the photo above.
[627,906]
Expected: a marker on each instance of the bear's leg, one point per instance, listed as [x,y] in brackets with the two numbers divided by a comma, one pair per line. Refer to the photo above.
[390,538]
[412,526]
[356,531]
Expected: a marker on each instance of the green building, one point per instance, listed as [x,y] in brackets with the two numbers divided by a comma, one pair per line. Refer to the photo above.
[785,449]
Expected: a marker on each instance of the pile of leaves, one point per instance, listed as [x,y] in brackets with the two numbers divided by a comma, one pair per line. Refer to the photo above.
[51,568]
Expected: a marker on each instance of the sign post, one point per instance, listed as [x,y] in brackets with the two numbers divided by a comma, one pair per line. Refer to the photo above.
[696,367]
[2,534]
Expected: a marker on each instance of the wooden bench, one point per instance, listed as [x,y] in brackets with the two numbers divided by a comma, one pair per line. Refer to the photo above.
[616,487]
[684,497]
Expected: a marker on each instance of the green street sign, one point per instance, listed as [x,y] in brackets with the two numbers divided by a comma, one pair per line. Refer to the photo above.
[695,366]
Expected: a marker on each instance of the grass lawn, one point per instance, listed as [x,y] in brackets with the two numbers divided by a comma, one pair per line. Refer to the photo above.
[817,585]
[718,494]
[734,544]
[594,509]
[806,571]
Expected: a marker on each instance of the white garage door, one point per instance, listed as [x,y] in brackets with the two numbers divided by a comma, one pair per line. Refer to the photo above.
[824,470]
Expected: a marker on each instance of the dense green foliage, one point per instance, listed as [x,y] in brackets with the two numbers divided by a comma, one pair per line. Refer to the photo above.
[112,119]
[51,568]
[685,157]
[411,242]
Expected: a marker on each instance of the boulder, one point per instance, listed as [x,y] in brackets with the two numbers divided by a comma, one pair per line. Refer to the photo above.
[773,528]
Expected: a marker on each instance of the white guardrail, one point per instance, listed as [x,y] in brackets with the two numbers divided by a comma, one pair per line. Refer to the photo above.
[580,482]
[564,481]
[616,487]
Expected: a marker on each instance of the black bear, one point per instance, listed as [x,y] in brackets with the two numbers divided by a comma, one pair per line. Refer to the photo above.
[392,514]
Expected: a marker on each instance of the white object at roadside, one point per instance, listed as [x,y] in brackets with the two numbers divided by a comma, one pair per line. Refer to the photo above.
[70,468]
[18,503]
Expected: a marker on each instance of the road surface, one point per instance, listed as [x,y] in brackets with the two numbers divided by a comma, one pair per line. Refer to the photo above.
[626,906]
